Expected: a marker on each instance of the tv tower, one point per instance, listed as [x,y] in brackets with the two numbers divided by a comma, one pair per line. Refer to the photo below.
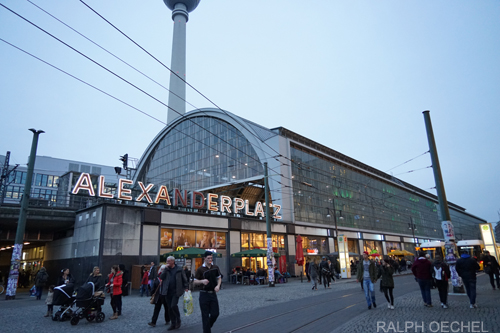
[177,96]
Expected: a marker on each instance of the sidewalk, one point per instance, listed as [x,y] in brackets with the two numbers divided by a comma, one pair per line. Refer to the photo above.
[410,315]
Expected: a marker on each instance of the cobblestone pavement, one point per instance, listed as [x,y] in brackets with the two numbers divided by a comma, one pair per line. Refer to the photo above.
[410,315]
[25,314]
[137,311]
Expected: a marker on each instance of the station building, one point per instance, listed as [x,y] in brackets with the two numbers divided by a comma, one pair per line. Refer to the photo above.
[211,158]
[200,183]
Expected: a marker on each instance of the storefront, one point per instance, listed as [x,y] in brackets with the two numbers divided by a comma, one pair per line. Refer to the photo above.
[177,239]
[314,248]
[371,245]
[255,240]
[389,246]
[353,245]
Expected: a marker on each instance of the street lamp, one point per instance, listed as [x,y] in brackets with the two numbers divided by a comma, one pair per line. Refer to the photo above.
[334,218]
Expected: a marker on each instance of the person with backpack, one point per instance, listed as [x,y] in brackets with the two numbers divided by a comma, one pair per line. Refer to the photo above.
[422,270]
[40,281]
[466,268]
[441,273]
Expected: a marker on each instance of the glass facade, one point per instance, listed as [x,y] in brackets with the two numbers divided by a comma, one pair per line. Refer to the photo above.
[48,182]
[254,240]
[364,202]
[199,153]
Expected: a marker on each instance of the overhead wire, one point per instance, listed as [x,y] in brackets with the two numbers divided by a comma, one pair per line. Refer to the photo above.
[176,74]
[109,95]
[225,112]
[128,82]
[279,155]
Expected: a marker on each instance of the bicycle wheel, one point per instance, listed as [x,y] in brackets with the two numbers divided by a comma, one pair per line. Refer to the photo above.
[1,289]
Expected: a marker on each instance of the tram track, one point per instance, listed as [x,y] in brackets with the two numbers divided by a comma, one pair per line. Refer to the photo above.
[302,308]
[285,313]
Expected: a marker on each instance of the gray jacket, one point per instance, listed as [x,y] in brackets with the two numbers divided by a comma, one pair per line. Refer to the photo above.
[313,270]
[181,282]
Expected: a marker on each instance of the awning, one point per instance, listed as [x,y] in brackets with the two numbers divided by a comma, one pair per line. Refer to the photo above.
[252,253]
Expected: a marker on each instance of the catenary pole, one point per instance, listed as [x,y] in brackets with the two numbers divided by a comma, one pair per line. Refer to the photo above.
[270,267]
[449,234]
[21,223]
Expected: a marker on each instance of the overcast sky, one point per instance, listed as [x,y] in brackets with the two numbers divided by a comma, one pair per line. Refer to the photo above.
[352,75]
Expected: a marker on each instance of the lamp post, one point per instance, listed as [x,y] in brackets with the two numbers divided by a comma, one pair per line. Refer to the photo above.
[334,218]
[343,254]
[413,227]
[21,223]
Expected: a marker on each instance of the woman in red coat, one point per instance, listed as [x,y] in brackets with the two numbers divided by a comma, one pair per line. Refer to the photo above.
[114,287]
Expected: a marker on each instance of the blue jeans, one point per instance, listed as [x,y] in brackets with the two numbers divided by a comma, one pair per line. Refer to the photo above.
[40,290]
[144,289]
[470,287]
[369,289]
[425,289]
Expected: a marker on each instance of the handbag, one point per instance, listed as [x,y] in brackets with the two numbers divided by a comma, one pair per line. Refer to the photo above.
[33,291]
[188,303]
[152,299]
[487,269]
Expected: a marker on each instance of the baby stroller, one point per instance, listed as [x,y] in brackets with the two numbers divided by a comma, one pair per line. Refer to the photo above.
[89,304]
[63,296]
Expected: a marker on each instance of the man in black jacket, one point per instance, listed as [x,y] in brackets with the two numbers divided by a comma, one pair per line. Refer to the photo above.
[466,268]
[324,272]
[152,276]
[174,283]
[491,268]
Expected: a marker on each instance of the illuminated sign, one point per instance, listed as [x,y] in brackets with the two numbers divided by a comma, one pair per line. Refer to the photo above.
[213,202]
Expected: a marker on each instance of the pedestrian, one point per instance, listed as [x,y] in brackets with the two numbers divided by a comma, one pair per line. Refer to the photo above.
[367,273]
[173,284]
[491,268]
[209,277]
[441,273]
[65,277]
[187,272]
[466,268]
[48,301]
[422,270]
[40,281]
[331,267]
[144,283]
[313,273]
[96,278]
[152,276]
[387,281]
[114,287]
[324,272]
[158,300]
[307,271]
[125,282]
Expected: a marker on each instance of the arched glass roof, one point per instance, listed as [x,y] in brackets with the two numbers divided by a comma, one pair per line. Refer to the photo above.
[199,153]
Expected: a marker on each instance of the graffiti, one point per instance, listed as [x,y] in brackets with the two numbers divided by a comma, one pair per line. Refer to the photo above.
[14,270]
[270,265]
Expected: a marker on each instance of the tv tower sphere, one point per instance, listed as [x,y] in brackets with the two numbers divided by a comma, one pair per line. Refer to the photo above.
[190,4]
